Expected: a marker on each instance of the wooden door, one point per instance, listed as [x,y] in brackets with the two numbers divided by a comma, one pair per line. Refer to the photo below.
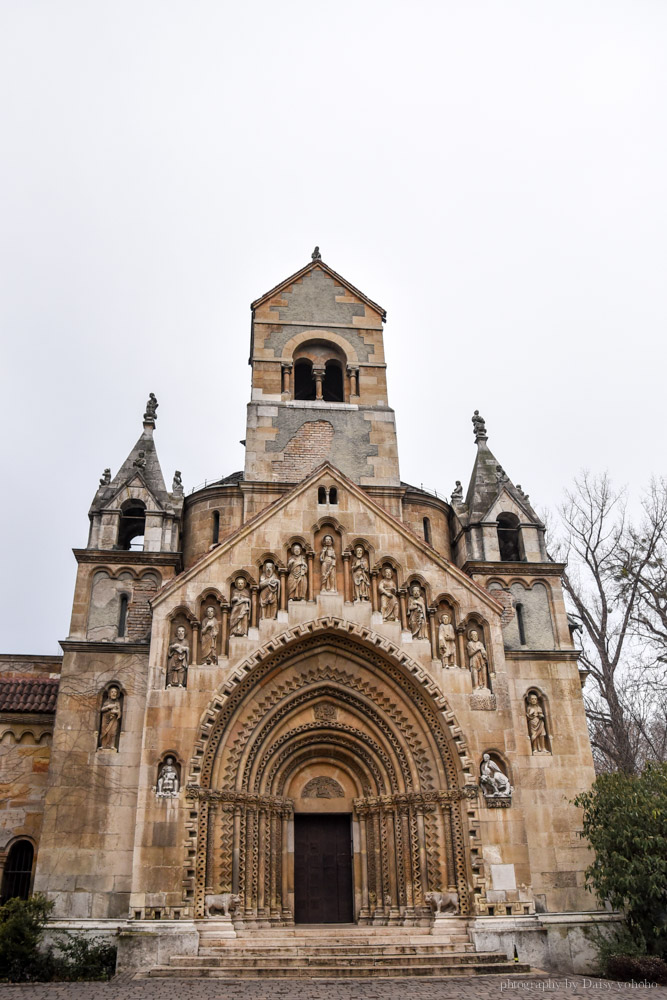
[322,869]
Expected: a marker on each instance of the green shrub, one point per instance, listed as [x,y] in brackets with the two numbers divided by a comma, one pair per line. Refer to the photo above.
[21,927]
[82,958]
[637,968]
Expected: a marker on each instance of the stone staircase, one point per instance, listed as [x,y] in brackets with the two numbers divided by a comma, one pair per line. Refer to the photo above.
[337,951]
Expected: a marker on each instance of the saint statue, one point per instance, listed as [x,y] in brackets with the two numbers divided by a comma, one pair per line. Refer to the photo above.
[209,637]
[167,782]
[388,599]
[417,613]
[110,716]
[328,566]
[446,641]
[361,576]
[297,574]
[493,781]
[269,591]
[178,660]
[536,728]
[478,660]
[240,616]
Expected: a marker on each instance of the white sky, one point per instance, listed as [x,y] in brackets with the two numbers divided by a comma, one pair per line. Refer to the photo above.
[493,173]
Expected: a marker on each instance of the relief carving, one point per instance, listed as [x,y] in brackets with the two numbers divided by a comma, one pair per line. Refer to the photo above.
[178,659]
[297,574]
[209,637]
[388,595]
[269,591]
[111,715]
[494,783]
[328,566]
[446,641]
[322,788]
[417,613]
[324,711]
[361,575]
[240,602]
[167,783]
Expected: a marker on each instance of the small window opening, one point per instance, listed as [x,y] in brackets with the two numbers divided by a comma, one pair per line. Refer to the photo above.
[132,525]
[157,914]
[492,911]
[216,526]
[520,622]
[332,387]
[137,914]
[18,871]
[122,615]
[177,914]
[427,530]
[508,911]
[509,538]
[333,495]
[322,495]
[304,383]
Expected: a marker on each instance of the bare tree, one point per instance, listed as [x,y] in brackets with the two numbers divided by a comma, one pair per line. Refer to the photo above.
[608,563]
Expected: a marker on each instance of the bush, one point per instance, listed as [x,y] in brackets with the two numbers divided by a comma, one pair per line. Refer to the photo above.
[637,967]
[22,923]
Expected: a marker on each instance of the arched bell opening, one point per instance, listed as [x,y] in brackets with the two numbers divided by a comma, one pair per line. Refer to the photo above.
[329,727]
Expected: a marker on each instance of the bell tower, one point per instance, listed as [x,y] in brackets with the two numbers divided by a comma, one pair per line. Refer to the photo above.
[319,387]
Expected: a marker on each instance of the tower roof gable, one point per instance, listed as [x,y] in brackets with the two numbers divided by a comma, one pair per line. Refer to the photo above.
[316,265]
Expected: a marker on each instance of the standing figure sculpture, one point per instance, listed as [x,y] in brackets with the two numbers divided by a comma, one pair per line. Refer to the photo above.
[269,591]
[239,619]
[178,660]
[110,716]
[328,566]
[209,637]
[417,613]
[297,574]
[388,599]
[446,641]
[536,727]
[167,782]
[478,660]
[494,782]
[361,575]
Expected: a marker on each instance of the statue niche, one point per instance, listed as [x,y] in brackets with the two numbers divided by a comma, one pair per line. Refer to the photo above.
[178,659]
[536,719]
[269,591]
[417,612]
[361,574]
[240,604]
[210,627]
[328,566]
[388,591]
[168,779]
[495,784]
[478,661]
[111,715]
[297,574]
[446,639]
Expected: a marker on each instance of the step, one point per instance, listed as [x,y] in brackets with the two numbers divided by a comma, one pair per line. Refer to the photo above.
[438,947]
[366,971]
[291,961]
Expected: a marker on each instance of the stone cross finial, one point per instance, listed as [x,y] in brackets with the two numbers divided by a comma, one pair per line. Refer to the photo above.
[150,416]
[316,255]
[479,426]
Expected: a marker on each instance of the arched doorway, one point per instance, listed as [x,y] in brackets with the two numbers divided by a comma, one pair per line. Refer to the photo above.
[327,735]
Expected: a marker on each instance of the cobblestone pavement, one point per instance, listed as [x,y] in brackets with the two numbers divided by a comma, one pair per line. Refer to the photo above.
[454,988]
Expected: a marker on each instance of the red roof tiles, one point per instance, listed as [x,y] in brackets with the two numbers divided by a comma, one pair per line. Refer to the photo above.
[28,694]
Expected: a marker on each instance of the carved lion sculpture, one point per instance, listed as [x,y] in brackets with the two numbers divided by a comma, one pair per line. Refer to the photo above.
[225,901]
[445,902]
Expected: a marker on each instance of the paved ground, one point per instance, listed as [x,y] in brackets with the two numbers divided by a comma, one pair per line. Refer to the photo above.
[478,988]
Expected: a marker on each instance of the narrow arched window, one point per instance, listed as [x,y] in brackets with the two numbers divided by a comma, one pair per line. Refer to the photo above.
[427,530]
[333,495]
[216,526]
[122,616]
[509,538]
[18,871]
[304,383]
[332,387]
[321,495]
[132,525]
[521,623]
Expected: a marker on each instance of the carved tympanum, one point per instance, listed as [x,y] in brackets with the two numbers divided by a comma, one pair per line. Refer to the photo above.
[297,574]
[111,715]
[209,637]
[324,711]
[178,659]
[240,601]
[269,591]
[328,566]
[361,575]
[322,788]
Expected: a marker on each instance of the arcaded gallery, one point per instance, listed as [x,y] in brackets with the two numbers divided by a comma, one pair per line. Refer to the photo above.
[308,694]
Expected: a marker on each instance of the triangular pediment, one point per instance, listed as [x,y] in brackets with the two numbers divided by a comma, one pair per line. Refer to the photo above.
[313,268]
[136,488]
[289,517]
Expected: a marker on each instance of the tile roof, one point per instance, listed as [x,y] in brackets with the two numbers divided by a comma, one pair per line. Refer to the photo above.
[28,694]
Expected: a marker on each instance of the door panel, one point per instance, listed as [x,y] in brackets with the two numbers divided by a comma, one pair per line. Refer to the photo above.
[322,869]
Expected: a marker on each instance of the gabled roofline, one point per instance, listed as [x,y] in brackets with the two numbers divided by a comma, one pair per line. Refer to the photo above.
[333,274]
[273,508]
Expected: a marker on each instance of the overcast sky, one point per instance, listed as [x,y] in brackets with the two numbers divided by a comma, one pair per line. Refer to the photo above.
[492,173]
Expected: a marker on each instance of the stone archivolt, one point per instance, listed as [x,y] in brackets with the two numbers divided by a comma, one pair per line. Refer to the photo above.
[399,761]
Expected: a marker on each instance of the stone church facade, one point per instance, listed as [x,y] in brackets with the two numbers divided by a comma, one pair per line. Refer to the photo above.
[310,684]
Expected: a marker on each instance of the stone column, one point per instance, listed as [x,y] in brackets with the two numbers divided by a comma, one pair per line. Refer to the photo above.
[236,848]
[211,881]
[396,871]
[224,638]
[347,587]
[311,571]
[195,644]
[433,632]
[318,375]
[375,600]
[262,834]
[254,591]
[251,863]
[282,572]
[379,916]
[364,913]
[353,372]
[286,371]
[404,823]
[402,597]
[276,857]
